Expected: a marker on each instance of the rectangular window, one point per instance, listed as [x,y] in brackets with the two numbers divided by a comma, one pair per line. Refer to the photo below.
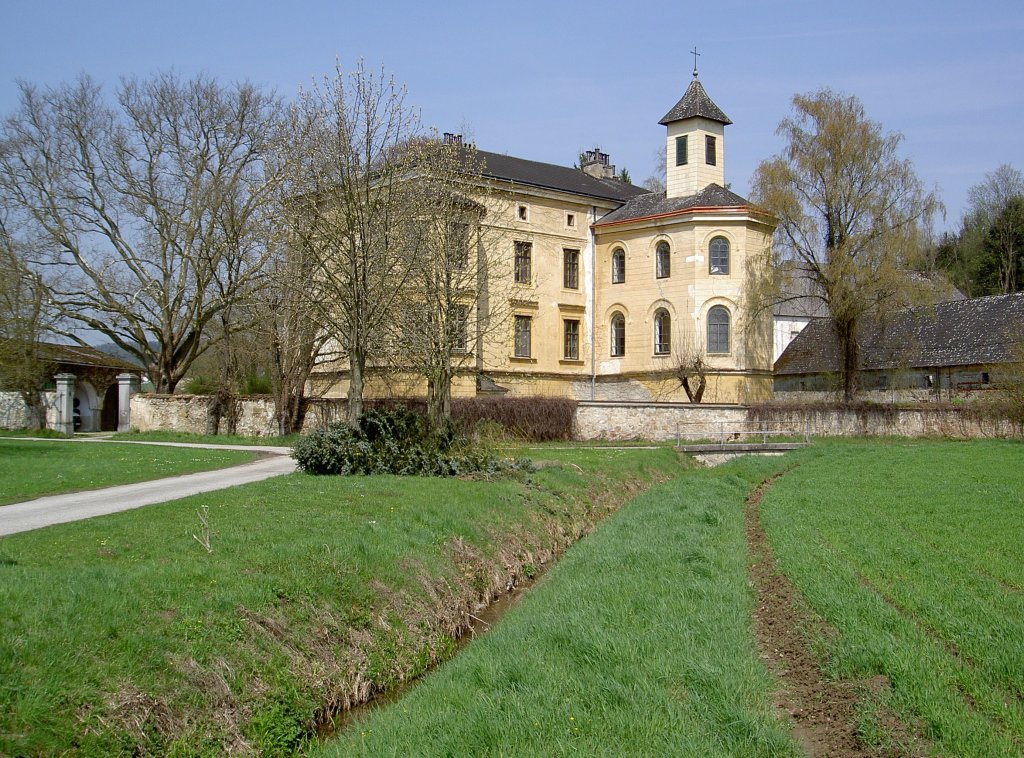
[709,150]
[681,150]
[523,212]
[572,339]
[663,261]
[570,220]
[718,338]
[458,245]
[524,326]
[459,325]
[571,269]
[618,266]
[524,254]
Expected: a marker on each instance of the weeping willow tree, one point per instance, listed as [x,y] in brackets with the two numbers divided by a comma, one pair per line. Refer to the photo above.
[851,214]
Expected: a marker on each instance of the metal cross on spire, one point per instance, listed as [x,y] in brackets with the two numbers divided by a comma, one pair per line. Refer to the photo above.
[695,54]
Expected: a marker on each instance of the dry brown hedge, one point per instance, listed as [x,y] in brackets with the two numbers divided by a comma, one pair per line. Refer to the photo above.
[535,419]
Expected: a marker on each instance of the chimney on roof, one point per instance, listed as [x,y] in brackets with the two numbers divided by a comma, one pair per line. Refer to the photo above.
[596,164]
[452,139]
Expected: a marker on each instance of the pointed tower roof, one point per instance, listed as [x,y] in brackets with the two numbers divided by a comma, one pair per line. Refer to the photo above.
[695,103]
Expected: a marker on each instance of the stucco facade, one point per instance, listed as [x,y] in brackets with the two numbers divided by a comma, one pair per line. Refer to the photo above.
[598,289]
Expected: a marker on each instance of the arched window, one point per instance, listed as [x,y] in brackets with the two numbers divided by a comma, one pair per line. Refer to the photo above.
[618,335]
[618,265]
[663,261]
[719,255]
[662,333]
[718,330]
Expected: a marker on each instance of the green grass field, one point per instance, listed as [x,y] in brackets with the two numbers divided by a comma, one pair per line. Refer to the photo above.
[30,469]
[911,551]
[210,439]
[122,634]
[636,643]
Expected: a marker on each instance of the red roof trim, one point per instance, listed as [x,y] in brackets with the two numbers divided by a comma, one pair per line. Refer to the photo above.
[697,209]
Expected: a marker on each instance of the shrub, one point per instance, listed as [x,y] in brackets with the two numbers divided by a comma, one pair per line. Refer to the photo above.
[257,384]
[200,385]
[537,419]
[394,441]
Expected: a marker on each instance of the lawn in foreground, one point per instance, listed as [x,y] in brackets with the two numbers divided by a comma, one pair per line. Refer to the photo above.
[911,552]
[30,469]
[121,634]
[208,439]
[638,642]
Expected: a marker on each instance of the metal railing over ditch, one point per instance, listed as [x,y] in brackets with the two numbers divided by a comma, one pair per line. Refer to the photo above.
[741,433]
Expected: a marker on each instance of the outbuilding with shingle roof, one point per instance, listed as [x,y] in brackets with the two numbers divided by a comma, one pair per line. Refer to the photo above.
[951,346]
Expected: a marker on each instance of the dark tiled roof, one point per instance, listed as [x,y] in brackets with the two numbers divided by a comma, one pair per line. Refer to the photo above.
[550,176]
[801,306]
[985,330]
[656,204]
[695,103]
[79,355]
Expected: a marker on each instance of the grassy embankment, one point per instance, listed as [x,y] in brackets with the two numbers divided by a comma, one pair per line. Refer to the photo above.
[30,469]
[122,634]
[637,642]
[911,552]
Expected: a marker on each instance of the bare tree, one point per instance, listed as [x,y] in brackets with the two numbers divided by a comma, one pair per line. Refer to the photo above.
[1003,266]
[151,210]
[850,213]
[987,199]
[356,147]
[994,230]
[692,371]
[985,257]
[291,338]
[25,317]
[451,304]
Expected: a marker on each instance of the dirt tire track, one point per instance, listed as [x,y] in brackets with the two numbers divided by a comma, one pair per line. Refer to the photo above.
[822,711]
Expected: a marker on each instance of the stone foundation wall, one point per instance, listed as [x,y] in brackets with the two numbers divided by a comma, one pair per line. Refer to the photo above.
[14,414]
[671,421]
[924,421]
[188,413]
[655,421]
[624,420]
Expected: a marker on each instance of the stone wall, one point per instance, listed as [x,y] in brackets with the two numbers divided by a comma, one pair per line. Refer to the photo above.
[672,421]
[626,420]
[655,421]
[14,414]
[921,421]
[13,411]
[188,413]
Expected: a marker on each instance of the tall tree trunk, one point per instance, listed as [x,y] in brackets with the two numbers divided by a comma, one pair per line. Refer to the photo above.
[439,399]
[846,332]
[357,367]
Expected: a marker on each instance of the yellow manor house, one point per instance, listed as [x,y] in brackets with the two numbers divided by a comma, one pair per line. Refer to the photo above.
[607,289]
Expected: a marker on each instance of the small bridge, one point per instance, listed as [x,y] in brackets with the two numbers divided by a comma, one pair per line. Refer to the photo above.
[739,437]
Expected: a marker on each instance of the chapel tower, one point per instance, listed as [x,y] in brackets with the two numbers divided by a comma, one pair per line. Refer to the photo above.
[695,143]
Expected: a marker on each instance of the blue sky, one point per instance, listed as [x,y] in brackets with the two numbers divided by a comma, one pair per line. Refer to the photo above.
[545,80]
